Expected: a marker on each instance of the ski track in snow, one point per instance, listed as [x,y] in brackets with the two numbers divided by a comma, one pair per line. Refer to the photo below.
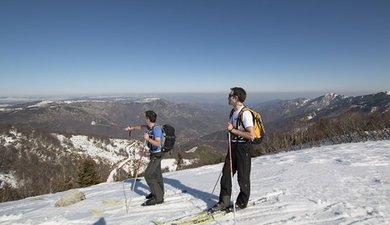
[339,184]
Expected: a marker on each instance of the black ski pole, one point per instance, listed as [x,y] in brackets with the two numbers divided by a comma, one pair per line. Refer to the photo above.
[219,177]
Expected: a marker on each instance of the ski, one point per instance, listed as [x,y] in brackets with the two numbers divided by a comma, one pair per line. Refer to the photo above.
[198,218]
[208,217]
[205,216]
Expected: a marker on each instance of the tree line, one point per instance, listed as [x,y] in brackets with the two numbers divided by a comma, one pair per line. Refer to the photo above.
[347,128]
[41,165]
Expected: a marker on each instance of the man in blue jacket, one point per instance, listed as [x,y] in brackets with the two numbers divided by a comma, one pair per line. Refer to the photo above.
[153,174]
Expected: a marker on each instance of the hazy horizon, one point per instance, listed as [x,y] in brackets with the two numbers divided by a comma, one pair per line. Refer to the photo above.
[189,97]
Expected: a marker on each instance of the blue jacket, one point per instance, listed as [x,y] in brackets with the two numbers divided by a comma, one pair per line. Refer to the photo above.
[154,132]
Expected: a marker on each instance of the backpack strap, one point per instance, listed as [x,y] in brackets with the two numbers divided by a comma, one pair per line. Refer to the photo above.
[162,131]
[231,114]
[239,118]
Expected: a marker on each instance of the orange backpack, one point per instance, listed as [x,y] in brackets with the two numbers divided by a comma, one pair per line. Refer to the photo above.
[258,126]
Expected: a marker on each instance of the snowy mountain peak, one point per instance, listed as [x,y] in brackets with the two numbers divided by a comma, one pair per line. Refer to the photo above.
[331,95]
[324,101]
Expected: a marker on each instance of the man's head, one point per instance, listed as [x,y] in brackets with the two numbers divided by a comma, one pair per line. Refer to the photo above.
[151,115]
[239,93]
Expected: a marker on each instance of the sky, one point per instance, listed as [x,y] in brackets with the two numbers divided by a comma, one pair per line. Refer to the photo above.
[335,184]
[97,47]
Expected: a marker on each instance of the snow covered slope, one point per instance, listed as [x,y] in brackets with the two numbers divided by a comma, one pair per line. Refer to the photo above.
[339,184]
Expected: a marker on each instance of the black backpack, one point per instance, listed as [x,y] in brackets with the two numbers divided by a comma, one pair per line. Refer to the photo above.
[169,137]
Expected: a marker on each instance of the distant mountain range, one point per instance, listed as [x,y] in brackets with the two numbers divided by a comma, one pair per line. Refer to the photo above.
[107,116]
[278,113]
[287,115]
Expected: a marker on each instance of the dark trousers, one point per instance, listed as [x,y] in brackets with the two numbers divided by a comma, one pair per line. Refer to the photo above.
[241,161]
[153,176]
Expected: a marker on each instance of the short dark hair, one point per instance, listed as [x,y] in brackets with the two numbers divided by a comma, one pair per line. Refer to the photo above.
[151,115]
[240,93]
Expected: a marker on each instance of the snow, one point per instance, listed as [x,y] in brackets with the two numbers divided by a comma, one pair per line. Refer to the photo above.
[82,101]
[111,152]
[311,116]
[337,184]
[119,152]
[95,148]
[114,172]
[8,140]
[192,150]
[171,165]
[8,179]
[331,96]
[147,100]
[388,93]
[41,104]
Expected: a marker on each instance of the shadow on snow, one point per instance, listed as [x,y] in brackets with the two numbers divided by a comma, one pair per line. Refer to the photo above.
[141,189]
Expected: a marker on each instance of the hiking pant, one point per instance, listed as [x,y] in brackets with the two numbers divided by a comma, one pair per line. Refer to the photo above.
[153,176]
[241,161]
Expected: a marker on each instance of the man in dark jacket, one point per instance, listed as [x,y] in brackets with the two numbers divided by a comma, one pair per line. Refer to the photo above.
[241,147]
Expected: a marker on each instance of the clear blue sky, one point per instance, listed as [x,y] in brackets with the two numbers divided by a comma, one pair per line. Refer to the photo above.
[88,47]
